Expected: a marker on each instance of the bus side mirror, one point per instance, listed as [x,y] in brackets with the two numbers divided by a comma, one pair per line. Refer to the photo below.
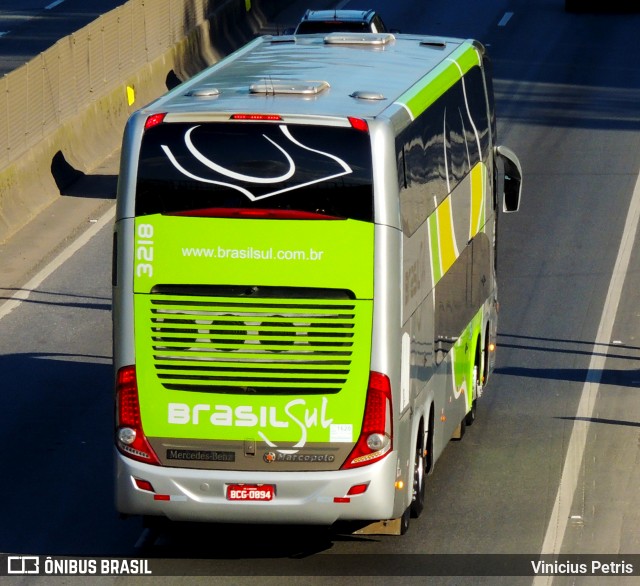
[512,179]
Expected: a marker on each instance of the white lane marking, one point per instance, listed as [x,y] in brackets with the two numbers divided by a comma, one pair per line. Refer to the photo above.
[505,19]
[53,4]
[575,453]
[3,33]
[25,291]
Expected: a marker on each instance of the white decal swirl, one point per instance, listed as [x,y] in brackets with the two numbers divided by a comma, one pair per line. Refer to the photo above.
[346,169]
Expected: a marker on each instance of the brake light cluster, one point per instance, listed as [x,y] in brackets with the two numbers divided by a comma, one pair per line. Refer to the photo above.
[359,124]
[130,438]
[257,117]
[375,440]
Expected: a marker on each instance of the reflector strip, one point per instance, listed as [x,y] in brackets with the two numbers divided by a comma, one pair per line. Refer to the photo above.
[143,484]
[169,497]
[357,489]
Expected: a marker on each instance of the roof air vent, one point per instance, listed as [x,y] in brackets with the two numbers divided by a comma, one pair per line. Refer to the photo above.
[285,38]
[375,39]
[367,95]
[433,43]
[204,92]
[284,87]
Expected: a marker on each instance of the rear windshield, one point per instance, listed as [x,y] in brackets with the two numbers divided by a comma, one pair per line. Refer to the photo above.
[332,26]
[253,165]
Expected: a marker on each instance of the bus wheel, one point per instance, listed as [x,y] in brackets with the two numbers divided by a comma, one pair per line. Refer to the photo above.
[419,484]
[405,521]
[471,416]
[458,433]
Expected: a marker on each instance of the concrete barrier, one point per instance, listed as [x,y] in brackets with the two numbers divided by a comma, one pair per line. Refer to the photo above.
[65,110]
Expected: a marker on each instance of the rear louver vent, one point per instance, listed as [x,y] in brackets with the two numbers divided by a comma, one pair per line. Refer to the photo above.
[257,346]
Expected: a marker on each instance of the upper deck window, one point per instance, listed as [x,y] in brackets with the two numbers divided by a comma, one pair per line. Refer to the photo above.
[189,166]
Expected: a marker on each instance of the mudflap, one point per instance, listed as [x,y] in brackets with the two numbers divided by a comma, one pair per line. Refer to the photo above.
[385,527]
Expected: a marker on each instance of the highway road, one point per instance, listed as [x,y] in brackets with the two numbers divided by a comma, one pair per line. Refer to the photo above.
[551,464]
[28,27]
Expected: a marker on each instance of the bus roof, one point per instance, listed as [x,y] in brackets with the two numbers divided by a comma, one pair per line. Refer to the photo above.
[335,75]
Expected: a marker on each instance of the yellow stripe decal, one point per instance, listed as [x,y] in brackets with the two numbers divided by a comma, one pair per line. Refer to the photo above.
[436,270]
[448,251]
[477,200]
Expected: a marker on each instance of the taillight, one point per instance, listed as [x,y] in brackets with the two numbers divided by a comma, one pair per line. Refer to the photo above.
[130,438]
[154,120]
[358,124]
[375,440]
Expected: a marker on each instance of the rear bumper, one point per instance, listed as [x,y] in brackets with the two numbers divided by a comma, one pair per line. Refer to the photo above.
[183,494]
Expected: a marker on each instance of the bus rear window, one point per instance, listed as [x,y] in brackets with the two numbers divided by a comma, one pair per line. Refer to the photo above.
[185,167]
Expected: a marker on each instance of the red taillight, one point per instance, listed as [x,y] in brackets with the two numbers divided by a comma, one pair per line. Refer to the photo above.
[130,438]
[375,440]
[127,393]
[358,124]
[154,120]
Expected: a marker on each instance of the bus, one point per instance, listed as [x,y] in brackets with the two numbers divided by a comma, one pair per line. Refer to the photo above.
[304,284]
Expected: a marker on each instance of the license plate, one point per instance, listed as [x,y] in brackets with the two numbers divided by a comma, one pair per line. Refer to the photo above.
[250,492]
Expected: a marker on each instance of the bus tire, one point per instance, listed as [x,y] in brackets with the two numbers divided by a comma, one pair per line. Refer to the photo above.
[405,521]
[471,416]
[419,481]
[459,431]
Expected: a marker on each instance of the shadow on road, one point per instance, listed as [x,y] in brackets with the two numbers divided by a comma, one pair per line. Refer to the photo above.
[74,183]
[57,493]
[617,354]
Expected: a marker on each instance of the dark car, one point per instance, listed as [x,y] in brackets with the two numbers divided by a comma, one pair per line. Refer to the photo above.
[343,21]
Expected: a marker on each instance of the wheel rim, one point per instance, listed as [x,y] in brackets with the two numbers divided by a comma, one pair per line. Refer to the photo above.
[418,488]
[418,477]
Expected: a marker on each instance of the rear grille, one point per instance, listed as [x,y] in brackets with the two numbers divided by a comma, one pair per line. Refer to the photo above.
[254,346]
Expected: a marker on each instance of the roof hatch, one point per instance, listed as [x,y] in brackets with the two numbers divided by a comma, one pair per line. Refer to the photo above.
[359,39]
[435,43]
[271,87]
[204,92]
